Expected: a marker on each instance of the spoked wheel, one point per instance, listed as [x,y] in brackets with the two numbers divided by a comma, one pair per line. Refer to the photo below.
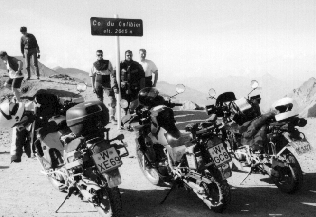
[218,192]
[110,203]
[290,177]
[149,172]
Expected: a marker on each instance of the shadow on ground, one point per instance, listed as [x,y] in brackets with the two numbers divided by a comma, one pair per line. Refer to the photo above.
[4,167]
[261,200]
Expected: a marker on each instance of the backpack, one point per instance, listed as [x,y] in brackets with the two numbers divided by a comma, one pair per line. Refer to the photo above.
[31,41]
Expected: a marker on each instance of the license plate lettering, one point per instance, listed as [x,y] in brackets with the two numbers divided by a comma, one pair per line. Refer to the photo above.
[301,147]
[191,161]
[107,160]
[219,154]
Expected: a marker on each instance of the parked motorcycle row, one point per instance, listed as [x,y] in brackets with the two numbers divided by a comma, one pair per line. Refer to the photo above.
[78,157]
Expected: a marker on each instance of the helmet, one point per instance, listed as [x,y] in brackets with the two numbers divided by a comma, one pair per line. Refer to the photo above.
[148,96]
[286,107]
[11,113]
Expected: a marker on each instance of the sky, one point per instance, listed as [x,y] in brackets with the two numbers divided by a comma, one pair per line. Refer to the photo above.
[185,38]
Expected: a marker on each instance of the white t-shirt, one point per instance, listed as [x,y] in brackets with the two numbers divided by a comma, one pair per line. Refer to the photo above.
[148,66]
[12,73]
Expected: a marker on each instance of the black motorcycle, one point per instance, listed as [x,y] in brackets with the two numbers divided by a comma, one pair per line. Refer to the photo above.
[195,160]
[76,155]
[264,142]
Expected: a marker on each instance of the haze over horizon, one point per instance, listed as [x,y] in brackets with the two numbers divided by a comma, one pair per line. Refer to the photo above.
[206,39]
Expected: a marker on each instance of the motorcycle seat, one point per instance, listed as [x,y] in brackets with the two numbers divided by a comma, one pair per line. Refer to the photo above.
[183,139]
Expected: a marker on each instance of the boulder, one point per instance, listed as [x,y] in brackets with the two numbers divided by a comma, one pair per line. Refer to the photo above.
[189,105]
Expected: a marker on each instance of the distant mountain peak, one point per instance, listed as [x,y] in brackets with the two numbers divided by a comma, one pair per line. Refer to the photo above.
[57,67]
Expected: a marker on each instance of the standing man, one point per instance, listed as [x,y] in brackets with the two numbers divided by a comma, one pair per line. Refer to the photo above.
[103,78]
[132,81]
[14,67]
[149,68]
[29,48]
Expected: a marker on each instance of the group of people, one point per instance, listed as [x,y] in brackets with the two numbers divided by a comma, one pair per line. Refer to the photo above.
[134,76]
[30,50]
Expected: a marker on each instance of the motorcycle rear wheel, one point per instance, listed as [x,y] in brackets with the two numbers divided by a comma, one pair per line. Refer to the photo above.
[111,203]
[291,177]
[149,172]
[219,194]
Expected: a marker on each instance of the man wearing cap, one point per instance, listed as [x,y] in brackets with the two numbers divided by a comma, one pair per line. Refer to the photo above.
[103,79]
[14,67]
[29,48]
[132,81]
[149,68]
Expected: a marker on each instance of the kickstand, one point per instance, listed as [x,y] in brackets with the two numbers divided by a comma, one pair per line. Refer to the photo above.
[171,189]
[251,170]
[70,192]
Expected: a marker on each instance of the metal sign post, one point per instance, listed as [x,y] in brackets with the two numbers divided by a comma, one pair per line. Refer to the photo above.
[118,79]
[116,27]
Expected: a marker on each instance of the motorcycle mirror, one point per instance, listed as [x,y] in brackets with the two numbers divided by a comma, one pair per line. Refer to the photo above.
[81,87]
[212,92]
[180,88]
[254,84]
[120,137]
[123,103]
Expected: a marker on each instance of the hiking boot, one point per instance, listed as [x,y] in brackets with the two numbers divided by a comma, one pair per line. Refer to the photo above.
[112,120]
[28,78]
[38,78]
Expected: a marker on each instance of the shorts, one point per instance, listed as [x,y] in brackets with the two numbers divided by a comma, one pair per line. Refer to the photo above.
[148,81]
[15,82]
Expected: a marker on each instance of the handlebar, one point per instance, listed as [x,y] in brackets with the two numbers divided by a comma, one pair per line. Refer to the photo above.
[176,104]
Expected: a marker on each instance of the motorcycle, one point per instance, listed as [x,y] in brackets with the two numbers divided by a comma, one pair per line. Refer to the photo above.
[167,156]
[265,142]
[78,159]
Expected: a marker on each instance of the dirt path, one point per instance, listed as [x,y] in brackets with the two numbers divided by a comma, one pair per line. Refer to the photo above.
[26,192]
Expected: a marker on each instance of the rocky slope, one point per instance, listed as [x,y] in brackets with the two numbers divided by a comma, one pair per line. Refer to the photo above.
[305,96]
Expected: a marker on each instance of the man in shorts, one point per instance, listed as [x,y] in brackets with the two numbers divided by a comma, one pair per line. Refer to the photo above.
[149,68]
[14,67]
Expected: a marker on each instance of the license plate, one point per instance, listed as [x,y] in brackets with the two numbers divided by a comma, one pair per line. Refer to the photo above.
[219,154]
[301,147]
[191,161]
[107,160]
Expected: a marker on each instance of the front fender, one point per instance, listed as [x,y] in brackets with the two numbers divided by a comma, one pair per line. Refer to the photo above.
[113,178]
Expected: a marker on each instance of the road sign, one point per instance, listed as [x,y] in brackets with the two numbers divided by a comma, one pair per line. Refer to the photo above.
[116,27]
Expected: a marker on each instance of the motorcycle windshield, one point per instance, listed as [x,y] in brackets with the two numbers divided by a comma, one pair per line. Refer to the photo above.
[183,139]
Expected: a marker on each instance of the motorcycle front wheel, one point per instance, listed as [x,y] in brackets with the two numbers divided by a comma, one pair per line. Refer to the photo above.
[110,203]
[290,177]
[149,172]
[53,178]
[218,192]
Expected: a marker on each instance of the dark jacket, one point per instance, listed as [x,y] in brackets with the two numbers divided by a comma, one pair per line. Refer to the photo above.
[28,42]
[134,75]
[13,63]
